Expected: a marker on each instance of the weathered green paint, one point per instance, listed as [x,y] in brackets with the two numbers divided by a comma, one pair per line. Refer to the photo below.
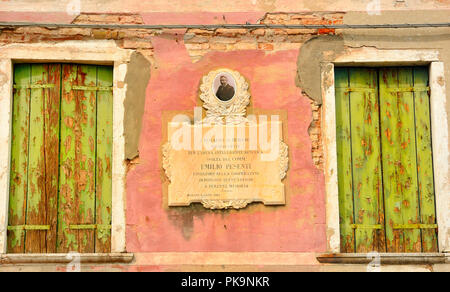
[35,128]
[424,159]
[366,166]
[86,123]
[359,167]
[54,175]
[67,239]
[85,153]
[344,160]
[399,159]
[52,102]
[19,158]
[42,165]
[104,159]
[400,116]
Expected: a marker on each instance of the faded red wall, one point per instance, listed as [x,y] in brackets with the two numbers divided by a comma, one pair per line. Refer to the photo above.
[152,226]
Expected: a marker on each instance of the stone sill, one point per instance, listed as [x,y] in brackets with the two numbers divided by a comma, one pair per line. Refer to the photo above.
[65,258]
[385,258]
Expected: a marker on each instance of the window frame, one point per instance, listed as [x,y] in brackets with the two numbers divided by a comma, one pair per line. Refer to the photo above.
[98,52]
[372,57]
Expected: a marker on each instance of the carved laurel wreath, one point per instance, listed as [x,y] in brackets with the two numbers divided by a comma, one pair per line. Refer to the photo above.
[232,111]
[284,159]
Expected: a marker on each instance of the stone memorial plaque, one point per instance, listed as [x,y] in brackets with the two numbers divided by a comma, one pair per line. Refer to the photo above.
[227,159]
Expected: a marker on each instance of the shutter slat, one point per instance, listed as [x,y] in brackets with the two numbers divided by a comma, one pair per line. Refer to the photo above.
[85,152]
[104,159]
[51,145]
[344,160]
[399,160]
[19,159]
[366,166]
[36,198]
[68,205]
[424,160]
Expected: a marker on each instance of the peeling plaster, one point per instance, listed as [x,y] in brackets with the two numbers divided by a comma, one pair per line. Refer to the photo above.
[136,80]
[312,54]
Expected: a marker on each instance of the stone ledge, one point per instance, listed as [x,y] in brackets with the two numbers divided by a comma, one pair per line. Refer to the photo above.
[385,259]
[63,258]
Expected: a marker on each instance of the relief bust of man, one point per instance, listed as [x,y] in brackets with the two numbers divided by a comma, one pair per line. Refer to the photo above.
[225,91]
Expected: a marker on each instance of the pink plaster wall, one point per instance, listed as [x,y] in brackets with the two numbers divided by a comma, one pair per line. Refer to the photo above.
[298,226]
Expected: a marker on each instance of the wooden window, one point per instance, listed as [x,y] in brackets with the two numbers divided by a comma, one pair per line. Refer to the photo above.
[61,154]
[385,167]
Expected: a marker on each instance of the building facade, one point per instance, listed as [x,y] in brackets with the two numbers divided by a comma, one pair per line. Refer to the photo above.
[88,89]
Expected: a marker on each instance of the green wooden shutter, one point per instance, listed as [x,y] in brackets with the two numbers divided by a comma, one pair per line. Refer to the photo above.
[60,189]
[407,160]
[385,173]
[34,162]
[359,166]
[86,155]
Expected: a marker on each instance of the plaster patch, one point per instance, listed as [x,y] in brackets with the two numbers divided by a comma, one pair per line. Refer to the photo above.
[309,60]
[136,79]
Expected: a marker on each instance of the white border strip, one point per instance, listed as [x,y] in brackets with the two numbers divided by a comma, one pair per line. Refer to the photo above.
[439,131]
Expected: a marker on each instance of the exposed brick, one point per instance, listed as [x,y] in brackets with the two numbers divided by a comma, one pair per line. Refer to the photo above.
[272,38]
[100,33]
[195,46]
[137,43]
[215,46]
[315,136]
[36,30]
[230,32]
[75,31]
[279,31]
[138,33]
[295,31]
[299,38]
[326,31]
[223,40]
[246,46]
[286,46]
[259,31]
[265,46]
[201,31]
[14,38]
[198,39]
[148,53]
